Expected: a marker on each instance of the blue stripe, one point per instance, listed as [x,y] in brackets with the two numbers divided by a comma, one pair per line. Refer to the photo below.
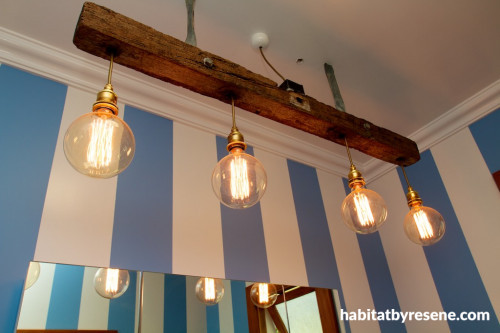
[487,137]
[121,315]
[245,255]
[319,255]
[142,230]
[379,276]
[65,299]
[175,307]
[31,109]
[212,313]
[238,297]
[453,269]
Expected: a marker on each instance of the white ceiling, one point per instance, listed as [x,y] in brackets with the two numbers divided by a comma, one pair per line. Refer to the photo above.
[399,64]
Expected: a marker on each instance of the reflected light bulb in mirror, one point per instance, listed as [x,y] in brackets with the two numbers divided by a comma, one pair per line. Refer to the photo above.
[209,290]
[111,282]
[424,225]
[363,210]
[263,295]
[33,274]
[239,179]
[99,144]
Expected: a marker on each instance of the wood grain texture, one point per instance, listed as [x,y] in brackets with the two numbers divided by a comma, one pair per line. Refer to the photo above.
[151,52]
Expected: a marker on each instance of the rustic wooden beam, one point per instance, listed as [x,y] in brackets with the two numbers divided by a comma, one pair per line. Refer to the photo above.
[151,52]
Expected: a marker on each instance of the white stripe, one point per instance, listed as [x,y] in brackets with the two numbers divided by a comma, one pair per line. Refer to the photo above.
[77,219]
[281,229]
[476,202]
[196,315]
[94,309]
[153,304]
[226,322]
[197,230]
[36,300]
[355,287]
[408,265]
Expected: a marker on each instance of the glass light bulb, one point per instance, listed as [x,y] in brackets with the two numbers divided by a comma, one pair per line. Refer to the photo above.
[209,290]
[363,210]
[99,144]
[111,282]
[424,225]
[33,274]
[263,295]
[239,180]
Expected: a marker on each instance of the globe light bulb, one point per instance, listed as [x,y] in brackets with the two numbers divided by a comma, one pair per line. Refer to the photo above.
[33,274]
[239,179]
[100,144]
[263,295]
[209,290]
[363,210]
[111,282]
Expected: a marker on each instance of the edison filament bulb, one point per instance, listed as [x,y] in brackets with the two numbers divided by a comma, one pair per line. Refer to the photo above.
[209,290]
[111,282]
[100,144]
[363,210]
[239,179]
[263,295]
[423,225]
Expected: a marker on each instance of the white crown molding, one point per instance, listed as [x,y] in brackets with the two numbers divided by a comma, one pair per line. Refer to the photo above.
[444,126]
[189,108]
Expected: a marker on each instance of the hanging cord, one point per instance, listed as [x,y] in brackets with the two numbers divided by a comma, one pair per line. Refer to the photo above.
[110,69]
[348,151]
[406,178]
[233,114]
[141,300]
[286,308]
[267,62]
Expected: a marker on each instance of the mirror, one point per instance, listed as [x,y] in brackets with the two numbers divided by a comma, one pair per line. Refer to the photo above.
[63,297]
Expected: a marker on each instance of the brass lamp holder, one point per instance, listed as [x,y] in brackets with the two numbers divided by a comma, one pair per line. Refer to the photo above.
[107,98]
[355,177]
[412,196]
[235,139]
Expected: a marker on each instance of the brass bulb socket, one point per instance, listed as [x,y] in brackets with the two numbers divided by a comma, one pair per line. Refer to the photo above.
[107,95]
[355,177]
[109,107]
[413,198]
[235,140]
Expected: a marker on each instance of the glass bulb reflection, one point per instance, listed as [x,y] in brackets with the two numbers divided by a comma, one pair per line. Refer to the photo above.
[33,274]
[209,290]
[111,282]
[239,179]
[424,225]
[363,210]
[99,144]
[263,295]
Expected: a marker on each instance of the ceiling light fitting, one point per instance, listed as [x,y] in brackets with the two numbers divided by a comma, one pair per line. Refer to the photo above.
[147,50]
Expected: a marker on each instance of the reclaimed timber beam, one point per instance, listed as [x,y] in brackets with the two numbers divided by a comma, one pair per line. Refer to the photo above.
[153,53]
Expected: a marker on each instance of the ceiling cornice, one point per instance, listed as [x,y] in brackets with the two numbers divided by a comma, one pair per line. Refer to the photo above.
[182,106]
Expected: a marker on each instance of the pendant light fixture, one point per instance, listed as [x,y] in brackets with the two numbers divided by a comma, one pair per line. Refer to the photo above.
[263,295]
[239,179]
[111,282]
[100,144]
[209,290]
[363,210]
[423,225]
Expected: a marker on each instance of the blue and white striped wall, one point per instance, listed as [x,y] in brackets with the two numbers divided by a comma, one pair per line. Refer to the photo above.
[160,215]
[64,298]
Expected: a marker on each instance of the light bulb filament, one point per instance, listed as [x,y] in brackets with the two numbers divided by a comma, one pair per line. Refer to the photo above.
[209,289]
[363,210]
[423,225]
[99,152]
[112,280]
[240,186]
[263,293]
